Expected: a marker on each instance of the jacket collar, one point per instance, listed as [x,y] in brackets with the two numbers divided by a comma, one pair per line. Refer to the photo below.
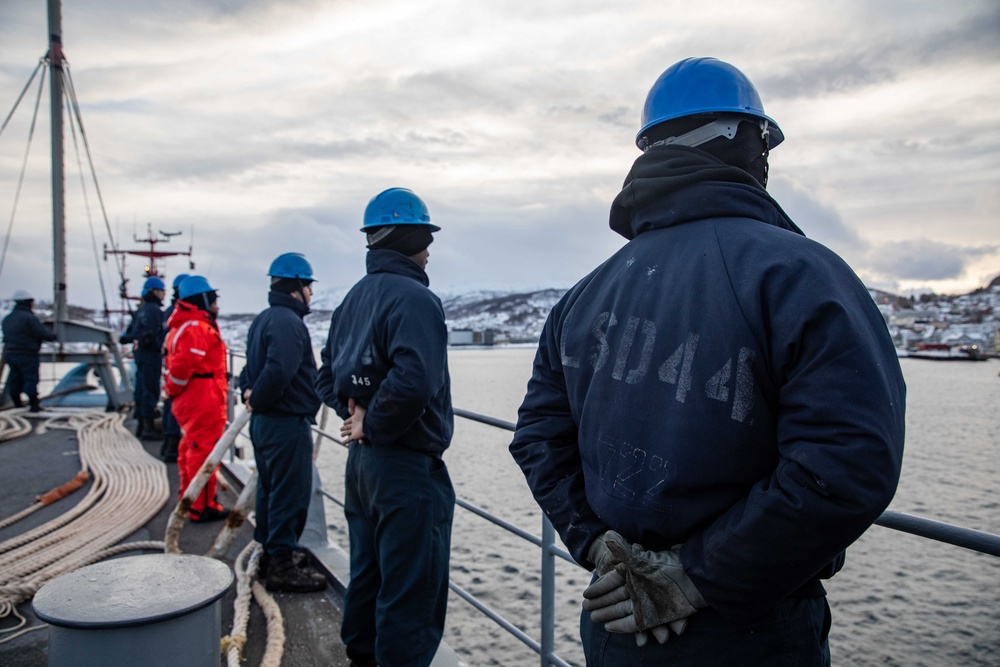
[390,261]
[184,311]
[287,301]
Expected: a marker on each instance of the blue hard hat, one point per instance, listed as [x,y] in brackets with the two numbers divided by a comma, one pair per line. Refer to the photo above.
[396,206]
[696,86]
[152,282]
[291,265]
[193,285]
[178,280]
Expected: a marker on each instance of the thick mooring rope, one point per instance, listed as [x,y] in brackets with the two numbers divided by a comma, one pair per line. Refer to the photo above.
[129,487]
[246,584]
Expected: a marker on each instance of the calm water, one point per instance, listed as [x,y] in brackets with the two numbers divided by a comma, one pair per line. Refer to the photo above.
[900,600]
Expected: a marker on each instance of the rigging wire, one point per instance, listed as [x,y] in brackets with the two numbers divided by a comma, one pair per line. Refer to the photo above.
[83,184]
[41,62]
[24,167]
[71,93]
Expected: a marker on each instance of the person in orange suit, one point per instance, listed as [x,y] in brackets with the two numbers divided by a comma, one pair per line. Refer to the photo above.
[197,382]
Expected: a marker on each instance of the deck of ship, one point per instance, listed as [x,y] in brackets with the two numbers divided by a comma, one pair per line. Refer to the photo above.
[36,463]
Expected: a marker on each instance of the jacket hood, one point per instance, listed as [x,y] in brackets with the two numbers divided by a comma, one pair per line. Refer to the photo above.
[671,185]
[390,261]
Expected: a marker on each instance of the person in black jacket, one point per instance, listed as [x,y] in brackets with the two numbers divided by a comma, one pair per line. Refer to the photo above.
[716,412]
[385,372]
[23,334]
[278,387]
[146,333]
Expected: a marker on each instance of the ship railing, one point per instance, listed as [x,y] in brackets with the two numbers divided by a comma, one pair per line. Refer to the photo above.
[544,646]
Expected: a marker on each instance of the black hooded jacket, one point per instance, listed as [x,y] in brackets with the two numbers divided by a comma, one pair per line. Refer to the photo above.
[388,350]
[722,382]
[23,332]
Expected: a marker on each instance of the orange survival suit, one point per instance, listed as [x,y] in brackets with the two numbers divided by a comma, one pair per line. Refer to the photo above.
[196,380]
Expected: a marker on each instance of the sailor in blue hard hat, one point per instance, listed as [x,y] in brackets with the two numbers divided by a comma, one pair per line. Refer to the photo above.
[147,332]
[278,387]
[385,372]
[716,412]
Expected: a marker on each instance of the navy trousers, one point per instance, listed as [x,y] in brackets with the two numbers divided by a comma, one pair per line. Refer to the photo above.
[793,634]
[22,376]
[282,447]
[170,426]
[399,505]
[148,364]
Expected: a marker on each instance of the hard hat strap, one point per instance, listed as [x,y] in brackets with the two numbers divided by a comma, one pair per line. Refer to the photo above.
[723,126]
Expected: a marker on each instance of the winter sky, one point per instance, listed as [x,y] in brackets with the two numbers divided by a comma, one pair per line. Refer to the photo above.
[266,126]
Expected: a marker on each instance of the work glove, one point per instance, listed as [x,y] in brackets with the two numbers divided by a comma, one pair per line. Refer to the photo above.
[613,587]
[646,589]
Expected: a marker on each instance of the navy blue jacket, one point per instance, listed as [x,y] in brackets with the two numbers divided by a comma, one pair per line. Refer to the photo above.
[722,382]
[23,332]
[281,366]
[147,329]
[388,350]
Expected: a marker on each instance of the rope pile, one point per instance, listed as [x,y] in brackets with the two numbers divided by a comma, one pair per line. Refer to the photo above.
[125,476]
[129,488]
[13,425]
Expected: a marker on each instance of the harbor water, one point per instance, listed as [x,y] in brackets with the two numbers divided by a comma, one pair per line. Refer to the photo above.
[900,599]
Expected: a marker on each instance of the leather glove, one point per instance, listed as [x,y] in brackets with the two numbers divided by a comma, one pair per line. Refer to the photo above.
[656,591]
[601,556]
[609,603]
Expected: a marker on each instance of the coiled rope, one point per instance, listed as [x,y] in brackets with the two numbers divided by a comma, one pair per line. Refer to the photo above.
[124,476]
[13,425]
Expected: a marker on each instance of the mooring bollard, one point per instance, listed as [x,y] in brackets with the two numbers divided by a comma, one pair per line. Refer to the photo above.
[157,610]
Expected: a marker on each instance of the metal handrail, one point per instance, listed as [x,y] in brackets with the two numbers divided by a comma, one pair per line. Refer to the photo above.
[545,648]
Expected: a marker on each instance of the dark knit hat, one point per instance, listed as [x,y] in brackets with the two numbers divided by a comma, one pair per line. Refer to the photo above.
[404,239]
[288,285]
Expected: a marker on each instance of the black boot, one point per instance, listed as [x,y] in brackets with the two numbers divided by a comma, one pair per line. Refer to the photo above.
[149,430]
[285,577]
[140,424]
[168,452]
[208,515]
[33,402]
[299,559]
[17,401]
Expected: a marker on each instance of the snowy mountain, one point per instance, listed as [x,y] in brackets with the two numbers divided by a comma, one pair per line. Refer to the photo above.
[518,316]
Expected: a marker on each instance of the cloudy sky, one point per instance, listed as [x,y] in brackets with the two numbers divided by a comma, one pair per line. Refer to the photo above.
[265,126]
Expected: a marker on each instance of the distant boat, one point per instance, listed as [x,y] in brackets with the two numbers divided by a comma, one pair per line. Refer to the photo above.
[947,352]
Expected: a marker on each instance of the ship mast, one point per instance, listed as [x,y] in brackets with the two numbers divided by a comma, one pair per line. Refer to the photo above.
[58,181]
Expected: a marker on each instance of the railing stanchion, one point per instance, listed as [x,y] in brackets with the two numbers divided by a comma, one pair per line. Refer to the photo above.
[548,591]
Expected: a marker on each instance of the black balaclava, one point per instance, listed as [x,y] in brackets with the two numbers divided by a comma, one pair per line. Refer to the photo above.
[203,301]
[404,239]
[747,150]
